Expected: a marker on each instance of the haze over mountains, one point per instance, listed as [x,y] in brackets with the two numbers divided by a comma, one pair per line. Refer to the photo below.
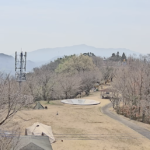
[39,57]
[48,54]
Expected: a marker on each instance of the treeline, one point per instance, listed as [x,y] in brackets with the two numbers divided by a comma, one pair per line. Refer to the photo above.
[68,77]
[132,86]
[117,57]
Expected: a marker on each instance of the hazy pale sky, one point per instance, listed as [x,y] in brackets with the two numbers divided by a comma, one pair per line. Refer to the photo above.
[35,24]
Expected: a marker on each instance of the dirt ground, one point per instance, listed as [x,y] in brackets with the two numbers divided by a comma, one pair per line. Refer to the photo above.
[83,127]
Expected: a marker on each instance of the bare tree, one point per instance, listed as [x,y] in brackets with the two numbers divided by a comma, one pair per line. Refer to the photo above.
[70,85]
[88,79]
[132,83]
[11,101]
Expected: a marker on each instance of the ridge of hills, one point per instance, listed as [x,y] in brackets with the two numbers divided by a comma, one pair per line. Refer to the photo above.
[42,56]
[49,54]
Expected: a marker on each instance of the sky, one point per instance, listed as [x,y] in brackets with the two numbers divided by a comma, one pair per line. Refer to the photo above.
[36,24]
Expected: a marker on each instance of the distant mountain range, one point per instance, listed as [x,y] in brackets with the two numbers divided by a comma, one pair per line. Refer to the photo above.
[49,54]
[39,57]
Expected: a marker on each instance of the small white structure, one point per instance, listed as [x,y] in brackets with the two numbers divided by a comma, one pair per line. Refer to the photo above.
[80,102]
[39,129]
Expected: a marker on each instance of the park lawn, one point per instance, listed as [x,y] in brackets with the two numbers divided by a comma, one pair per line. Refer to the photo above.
[83,127]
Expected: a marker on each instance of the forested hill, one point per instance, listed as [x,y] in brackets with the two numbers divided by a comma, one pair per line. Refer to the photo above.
[48,54]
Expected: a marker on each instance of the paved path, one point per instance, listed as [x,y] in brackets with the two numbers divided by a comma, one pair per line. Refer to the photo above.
[126,122]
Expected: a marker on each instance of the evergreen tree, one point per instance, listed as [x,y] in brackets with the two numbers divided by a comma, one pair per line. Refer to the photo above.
[113,55]
[117,54]
[123,57]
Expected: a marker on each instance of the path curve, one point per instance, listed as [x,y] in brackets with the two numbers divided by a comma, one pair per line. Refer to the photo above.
[132,125]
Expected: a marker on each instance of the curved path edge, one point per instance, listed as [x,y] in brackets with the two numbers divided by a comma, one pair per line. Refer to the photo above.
[132,125]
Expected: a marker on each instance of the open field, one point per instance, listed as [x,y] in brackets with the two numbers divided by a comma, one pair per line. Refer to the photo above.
[83,127]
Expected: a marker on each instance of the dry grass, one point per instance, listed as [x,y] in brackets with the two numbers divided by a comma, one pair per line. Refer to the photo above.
[84,127]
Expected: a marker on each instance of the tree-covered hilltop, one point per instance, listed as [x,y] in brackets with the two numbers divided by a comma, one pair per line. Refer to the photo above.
[117,57]
[75,64]
[68,77]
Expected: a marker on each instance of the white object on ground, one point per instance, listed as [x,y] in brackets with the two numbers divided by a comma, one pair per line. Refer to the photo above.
[80,102]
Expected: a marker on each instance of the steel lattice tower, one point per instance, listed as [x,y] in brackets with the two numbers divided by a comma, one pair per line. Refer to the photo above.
[20,67]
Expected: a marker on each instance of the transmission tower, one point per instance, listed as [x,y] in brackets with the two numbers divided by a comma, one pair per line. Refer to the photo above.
[20,67]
